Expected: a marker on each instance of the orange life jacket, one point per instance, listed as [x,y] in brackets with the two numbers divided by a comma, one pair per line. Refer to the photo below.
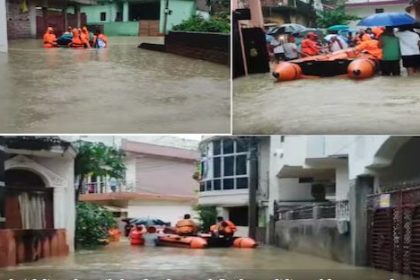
[49,40]
[136,237]
[76,40]
[372,47]
[185,226]
[226,226]
[309,47]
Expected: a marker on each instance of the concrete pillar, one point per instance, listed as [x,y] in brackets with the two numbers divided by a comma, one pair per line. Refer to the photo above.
[2,183]
[362,186]
[257,19]
[66,21]
[45,16]
[59,210]
[77,13]
[32,17]
[3,26]
[125,11]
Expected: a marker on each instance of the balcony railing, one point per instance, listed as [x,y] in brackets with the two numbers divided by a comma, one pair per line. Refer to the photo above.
[338,210]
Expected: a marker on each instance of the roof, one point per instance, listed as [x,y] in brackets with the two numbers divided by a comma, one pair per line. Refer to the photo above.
[114,196]
[159,151]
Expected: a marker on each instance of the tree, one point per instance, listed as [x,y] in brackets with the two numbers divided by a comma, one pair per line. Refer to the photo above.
[336,16]
[92,225]
[207,216]
[99,160]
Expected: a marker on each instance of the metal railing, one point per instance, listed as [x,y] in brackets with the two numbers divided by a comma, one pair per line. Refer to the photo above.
[332,210]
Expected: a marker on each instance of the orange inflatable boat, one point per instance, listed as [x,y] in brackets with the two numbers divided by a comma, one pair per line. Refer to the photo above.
[226,241]
[174,240]
[355,65]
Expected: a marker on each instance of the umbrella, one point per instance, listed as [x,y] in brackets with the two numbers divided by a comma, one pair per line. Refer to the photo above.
[338,27]
[288,28]
[387,19]
[148,222]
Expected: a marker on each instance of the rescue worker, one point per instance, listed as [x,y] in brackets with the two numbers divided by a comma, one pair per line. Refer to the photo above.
[50,40]
[136,235]
[99,40]
[370,46]
[76,41]
[223,227]
[310,45]
[84,36]
[186,226]
[114,234]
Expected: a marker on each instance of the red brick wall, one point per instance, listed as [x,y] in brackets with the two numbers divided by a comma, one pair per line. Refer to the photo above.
[18,24]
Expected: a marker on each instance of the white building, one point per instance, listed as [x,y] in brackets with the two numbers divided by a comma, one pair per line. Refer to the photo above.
[364,8]
[37,200]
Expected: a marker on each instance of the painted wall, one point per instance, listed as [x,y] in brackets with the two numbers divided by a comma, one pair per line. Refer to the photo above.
[164,210]
[3,27]
[121,28]
[93,13]
[364,11]
[181,10]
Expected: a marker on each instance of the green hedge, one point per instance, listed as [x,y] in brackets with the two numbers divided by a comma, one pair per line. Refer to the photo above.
[198,24]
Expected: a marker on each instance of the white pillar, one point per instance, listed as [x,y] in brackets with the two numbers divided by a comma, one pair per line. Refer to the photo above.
[32,17]
[125,11]
[3,26]
[59,210]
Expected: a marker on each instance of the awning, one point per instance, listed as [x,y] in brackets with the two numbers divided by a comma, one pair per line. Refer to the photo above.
[115,209]
[300,172]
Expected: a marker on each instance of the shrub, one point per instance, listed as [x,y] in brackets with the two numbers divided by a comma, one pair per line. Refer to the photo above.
[207,216]
[199,24]
[92,224]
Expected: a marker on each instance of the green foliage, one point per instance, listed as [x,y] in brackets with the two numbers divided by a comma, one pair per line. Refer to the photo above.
[92,224]
[198,24]
[99,160]
[207,216]
[337,16]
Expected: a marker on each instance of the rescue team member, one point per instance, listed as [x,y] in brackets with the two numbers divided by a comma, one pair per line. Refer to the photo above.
[186,226]
[84,36]
[136,235]
[114,234]
[223,227]
[50,40]
[310,45]
[99,40]
[76,41]
[370,46]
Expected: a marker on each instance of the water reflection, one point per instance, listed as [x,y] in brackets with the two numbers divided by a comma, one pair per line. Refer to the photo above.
[120,89]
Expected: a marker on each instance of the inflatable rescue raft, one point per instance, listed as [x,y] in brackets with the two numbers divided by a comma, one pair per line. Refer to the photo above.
[356,66]
[204,241]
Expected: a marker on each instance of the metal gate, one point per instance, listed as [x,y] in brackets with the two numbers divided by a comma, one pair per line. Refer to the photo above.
[394,231]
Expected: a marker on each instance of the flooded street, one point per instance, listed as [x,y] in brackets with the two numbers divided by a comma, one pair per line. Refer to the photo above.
[384,105]
[121,89]
[121,261]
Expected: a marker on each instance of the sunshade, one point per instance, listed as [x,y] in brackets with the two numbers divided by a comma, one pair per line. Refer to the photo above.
[148,222]
[338,27]
[387,19]
[287,28]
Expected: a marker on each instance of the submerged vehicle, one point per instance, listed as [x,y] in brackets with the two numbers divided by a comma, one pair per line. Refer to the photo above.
[355,65]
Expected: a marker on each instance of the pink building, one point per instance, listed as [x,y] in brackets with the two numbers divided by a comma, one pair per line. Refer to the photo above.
[158,183]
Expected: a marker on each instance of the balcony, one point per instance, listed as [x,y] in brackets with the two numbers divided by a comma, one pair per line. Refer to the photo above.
[327,210]
[287,5]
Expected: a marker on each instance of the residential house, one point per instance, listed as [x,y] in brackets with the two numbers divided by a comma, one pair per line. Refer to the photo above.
[37,198]
[138,17]
[159,183]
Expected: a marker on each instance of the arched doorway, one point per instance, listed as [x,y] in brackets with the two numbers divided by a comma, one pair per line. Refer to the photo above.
[28,201]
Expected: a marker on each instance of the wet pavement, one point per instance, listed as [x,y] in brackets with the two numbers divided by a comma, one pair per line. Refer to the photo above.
[121,261]
[121,89]
[385,105]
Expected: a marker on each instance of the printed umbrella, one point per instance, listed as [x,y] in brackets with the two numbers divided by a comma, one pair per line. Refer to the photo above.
[338,27]
[387,19]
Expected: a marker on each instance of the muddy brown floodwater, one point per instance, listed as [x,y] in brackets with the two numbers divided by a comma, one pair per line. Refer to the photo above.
[120,89]
[384,105]
[120,261]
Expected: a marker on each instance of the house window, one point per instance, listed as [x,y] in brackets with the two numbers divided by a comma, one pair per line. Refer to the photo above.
[118,16]
[225,165]
[103,16]
[379,11]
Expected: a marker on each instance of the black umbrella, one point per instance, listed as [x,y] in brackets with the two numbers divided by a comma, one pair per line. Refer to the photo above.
[148,222]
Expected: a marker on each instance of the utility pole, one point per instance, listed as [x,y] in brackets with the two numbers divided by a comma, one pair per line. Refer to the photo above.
[165,18]
[2,183]
[252,187]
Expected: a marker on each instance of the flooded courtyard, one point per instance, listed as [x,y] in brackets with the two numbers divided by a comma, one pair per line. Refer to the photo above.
[122,89]
[121,261]
[384,105]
